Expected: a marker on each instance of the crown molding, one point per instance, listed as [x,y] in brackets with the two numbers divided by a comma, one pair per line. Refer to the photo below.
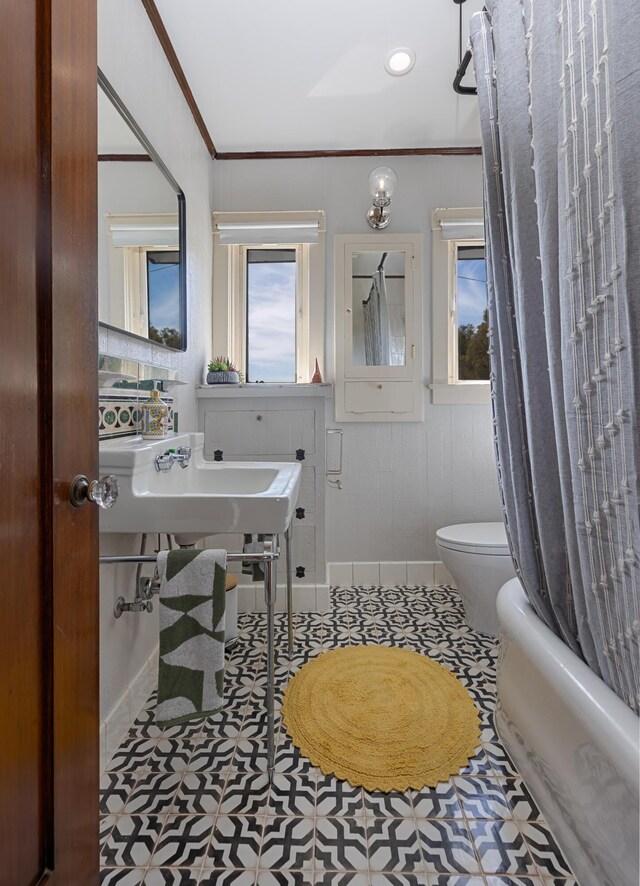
[165,41]
[365,152]
[125,158]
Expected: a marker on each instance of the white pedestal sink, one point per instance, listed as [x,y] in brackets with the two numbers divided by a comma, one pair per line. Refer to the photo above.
[204,498]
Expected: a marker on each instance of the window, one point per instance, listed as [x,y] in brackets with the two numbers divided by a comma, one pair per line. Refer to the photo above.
[469,312]
[268,293]
[459,296]
[145,277]
[271,315]
[150,283]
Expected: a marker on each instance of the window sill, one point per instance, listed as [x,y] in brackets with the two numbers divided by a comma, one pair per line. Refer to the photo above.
[264,389]
[469,394]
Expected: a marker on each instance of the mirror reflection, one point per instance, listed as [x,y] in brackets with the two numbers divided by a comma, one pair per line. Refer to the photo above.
[141,274]
[378,308]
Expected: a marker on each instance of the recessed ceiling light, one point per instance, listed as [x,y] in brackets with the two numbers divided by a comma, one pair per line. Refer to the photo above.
[400,61]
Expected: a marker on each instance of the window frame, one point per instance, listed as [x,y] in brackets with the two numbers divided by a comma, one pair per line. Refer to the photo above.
[445,387]
[229,315]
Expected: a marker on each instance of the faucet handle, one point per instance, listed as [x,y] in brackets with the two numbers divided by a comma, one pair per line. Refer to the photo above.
[184,456]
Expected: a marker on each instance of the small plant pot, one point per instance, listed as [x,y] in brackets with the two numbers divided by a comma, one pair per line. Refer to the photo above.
[223,378]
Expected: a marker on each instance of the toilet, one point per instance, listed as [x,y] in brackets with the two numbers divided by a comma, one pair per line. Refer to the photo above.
[478,558]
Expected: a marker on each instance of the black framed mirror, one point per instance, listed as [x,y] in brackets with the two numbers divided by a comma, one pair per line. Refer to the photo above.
[142,278]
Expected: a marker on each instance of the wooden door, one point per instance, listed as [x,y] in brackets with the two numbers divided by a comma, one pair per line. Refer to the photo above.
[48,382]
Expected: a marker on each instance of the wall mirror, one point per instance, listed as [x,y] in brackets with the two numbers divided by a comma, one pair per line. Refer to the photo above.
[141,231]
[378,289]
[378,308]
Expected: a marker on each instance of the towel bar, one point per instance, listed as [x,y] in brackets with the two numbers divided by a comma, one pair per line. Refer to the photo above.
[269,556]
[151,558]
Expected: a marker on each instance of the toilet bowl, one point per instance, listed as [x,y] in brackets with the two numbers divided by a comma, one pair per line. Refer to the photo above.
[477,556]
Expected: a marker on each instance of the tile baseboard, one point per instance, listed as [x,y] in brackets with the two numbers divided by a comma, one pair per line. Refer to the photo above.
[415,573]
[118,721]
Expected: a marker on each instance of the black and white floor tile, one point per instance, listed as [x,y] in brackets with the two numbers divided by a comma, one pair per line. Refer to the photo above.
[193,804]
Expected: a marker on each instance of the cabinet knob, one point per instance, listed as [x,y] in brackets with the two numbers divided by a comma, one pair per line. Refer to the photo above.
[379,387]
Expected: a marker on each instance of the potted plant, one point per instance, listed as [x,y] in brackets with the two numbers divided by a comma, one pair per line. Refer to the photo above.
[222,372]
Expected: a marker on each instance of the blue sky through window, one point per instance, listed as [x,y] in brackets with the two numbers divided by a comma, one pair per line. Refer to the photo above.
[271,319]
[164,292]
[471,290]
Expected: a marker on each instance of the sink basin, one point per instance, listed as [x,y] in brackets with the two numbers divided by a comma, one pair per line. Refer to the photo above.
[204,498]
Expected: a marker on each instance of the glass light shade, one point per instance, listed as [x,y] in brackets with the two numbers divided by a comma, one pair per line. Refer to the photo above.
[382,181]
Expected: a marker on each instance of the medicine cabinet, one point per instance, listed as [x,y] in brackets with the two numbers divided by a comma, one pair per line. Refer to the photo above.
[378,291]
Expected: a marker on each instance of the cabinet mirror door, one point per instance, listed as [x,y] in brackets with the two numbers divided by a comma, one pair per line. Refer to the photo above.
[378,290]
[378,308]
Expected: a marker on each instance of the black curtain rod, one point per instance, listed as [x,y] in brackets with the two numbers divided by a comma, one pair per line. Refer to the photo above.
[464,61]
[462,70]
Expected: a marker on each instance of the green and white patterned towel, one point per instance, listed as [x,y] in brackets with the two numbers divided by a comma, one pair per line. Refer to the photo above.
[191,667]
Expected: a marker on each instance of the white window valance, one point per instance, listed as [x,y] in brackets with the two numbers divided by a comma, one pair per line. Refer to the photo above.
[461,229]
[150,231]
[244,229]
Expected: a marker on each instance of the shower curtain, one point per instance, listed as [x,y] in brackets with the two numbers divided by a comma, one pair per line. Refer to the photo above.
[559,95]
[376,323]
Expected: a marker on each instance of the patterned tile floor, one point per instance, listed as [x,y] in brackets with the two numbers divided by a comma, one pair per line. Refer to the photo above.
[193,804]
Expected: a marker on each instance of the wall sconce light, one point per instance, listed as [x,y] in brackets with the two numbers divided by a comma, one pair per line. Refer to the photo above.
[382,181]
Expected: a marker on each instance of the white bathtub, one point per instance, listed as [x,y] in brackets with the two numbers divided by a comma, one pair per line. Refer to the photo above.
[575,743]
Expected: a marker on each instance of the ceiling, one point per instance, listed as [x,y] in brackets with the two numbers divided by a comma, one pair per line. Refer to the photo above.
[292,75]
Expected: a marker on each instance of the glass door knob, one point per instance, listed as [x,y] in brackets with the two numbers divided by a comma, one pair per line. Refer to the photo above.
[102,492]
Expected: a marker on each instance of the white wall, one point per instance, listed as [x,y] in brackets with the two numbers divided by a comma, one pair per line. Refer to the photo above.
[133,61]
[401,481]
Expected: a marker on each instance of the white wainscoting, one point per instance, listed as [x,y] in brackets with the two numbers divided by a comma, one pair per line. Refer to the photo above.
[119,719]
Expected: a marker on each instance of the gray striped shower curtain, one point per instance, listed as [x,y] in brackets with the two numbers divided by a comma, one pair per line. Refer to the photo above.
[559,95]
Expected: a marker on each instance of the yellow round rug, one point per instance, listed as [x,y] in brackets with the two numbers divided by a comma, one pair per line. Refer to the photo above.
[381,717]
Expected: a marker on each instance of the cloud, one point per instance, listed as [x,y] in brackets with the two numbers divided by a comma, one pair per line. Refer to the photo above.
[272,322]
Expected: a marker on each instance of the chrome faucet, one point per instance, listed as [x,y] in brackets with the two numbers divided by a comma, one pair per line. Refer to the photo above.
[183,456]
[165,462]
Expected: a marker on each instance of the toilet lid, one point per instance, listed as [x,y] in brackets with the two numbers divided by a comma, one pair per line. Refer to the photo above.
[481,538]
